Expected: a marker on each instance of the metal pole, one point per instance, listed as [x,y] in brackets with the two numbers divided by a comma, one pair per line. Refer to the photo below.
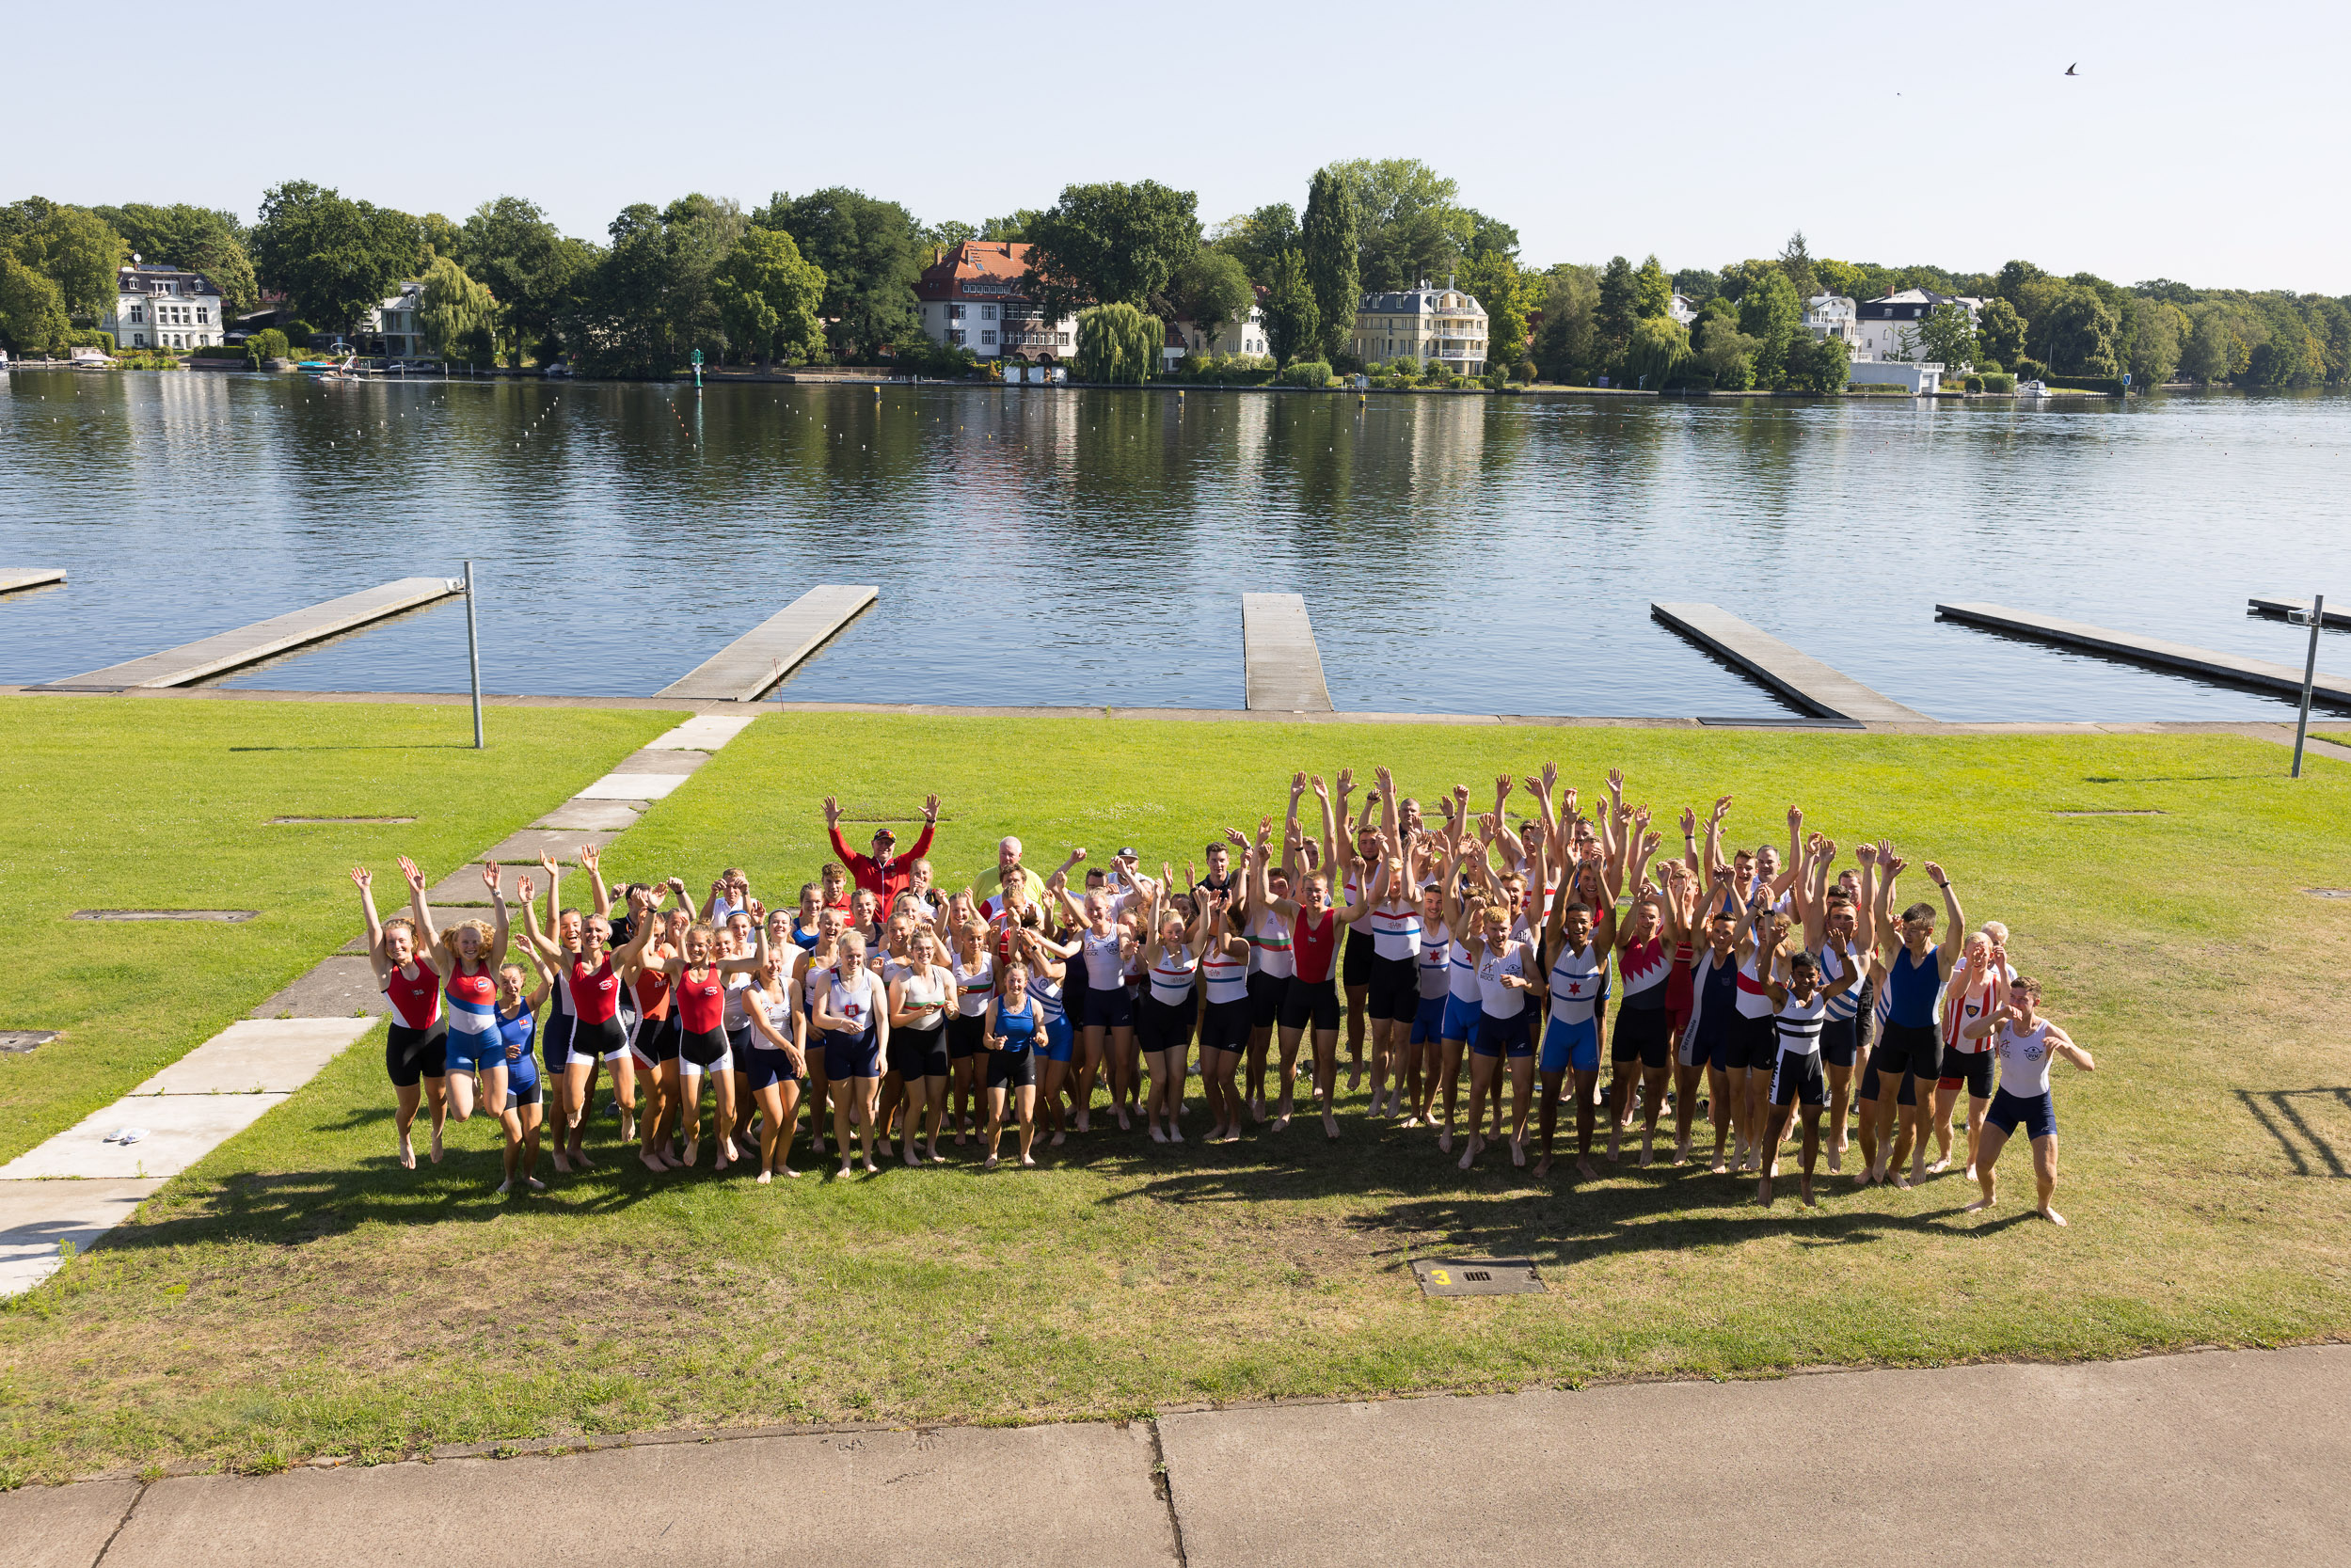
[473,654]
[2310,673]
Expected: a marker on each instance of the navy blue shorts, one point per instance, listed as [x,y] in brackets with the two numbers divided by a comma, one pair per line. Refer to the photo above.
[1840,1041]
[852,1056]
[1112,1009]
[768,1068]
[2038,1114]
[1707,1044]
[1429,1022]
[555,1040]
[1510,1037]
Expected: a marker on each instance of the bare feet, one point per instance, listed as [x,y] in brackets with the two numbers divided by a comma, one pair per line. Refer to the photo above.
[437,1146]
[1330,1127]
[1282,1122]
[1445,1141]
[1354,1076]
[1980,1204]
[1518,1153]
[1084,1123]
[506,1187]
[1058,1137]
[912,1158]
[1543,1166]
[1940,1167]
[1156,1135]
[1175,1134]
[872,1170]
[1586,1169]
[989,1164]
[652,1163]
[536,1185]
[765,1179]
[2052,1215]
[1124,1125]
[1028,1161]
[580,1158]
[1803,1189]
[407,1154]
[1469,1155]
[1836,1161]
[1721,1166]
[563,1166]
[1257,1109]
[1763,1190]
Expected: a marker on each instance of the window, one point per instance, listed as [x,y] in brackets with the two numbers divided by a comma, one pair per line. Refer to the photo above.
[955,313]
[987,312]
[139,312]
[987,337]
[204,315]
[955,335]
[138,340]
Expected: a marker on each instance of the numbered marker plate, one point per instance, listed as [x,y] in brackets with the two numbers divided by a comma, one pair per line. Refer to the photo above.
[1477,1276]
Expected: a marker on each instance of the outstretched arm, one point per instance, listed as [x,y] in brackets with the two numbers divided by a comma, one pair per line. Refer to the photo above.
[428,939]
[591,864]
[1955,930]
[500,927]
[366,885]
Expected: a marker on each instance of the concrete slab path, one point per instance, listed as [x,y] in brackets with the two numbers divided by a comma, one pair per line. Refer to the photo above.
[2215,1458]
[37,1216]
[177,1130]
[272,1055]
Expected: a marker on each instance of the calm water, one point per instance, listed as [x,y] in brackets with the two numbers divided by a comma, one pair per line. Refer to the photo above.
[1038,547]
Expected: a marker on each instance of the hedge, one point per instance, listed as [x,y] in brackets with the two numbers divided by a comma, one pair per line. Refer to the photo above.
[2107,384]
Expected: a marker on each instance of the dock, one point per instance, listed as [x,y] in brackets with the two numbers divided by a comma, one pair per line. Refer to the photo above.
[750,667]
[2206,663]
[230,650]
[2281,607]
[14,577]
[1803,680]
[1284,668]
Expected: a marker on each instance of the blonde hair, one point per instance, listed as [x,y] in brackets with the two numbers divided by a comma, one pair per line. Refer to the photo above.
[482,930]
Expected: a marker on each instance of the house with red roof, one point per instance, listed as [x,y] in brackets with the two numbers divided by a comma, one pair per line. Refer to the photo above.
[976,295]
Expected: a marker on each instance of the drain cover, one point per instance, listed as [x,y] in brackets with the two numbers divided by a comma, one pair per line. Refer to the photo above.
[20,1041]
[321,821]
[2328,891]
[232,916]
[1477,1276]
[2106,814]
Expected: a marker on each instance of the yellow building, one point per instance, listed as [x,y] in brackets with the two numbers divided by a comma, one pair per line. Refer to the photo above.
[1421,325]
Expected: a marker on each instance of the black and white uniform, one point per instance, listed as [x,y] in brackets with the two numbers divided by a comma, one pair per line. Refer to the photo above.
[1797,1073]
[1225,1020]
[1840,1033]
[1394,970]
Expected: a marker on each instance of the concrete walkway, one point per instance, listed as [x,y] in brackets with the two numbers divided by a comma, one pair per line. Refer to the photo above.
[2214,1459]
[80,1184]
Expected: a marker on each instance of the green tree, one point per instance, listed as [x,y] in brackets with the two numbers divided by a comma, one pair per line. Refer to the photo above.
[870,252]
[1659,346]
[1408,224]
[1493,280]
[1949,336]
[1619,308]
[1013,228]
[2211,349]
[622,318]
[947,234]
[79,252]
[197,238]
[767,295]
[1293,320]
[459,316]
[2000,331]
[1212,293]
[1770,310]
[1118,343]
[1820,364]
[2079,339]
[2289,354]
[440,236]
[1254,239]
[2156,346]
[32,309]
[1566,346]
[335,258]
[1110,244]
[1652,291]
[529,264]
[1727,355]
[1796,263]
[1330,242]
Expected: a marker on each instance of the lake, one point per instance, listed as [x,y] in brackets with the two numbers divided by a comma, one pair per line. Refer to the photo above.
[1039,546]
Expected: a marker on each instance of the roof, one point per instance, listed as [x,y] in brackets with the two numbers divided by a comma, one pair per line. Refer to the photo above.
[144,278]
[976,269]
[1914,305]
[1417,302]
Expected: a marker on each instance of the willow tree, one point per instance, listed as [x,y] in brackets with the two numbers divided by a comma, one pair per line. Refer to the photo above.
[458,316]
[1118,343]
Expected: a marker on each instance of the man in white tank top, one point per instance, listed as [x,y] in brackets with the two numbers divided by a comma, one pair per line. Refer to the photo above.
[2023,1043]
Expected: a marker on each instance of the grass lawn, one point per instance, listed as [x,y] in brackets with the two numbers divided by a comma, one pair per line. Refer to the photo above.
[299,1294]
[108,803]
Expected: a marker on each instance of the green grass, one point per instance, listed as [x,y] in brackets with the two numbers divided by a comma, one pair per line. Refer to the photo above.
[298,1294]
[108,803]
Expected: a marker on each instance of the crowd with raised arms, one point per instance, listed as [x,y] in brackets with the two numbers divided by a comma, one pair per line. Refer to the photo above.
[1468,954]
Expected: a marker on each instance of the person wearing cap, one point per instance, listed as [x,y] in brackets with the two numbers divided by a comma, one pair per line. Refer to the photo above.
[884,872]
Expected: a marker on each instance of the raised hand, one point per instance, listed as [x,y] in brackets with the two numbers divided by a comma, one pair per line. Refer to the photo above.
[1347,780]
[523,888]
[408,870]
[1322,791]
[1501,786]
[489,876]
[1689,823]
[361,878]
[1551,775]
[831,812]
[1298,784]
[1934,872]
[930,809]
[1721,807]
[547,864]
[1648,845]
[1866,852]
[1895,865]
[758,911]
[1641,817]
[589,858]
[1616,783]
[1235,837]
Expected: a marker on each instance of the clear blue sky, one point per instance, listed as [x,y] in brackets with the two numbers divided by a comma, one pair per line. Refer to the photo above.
[2196,144]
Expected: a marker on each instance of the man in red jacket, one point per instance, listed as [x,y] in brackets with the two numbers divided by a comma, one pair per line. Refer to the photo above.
[885,872]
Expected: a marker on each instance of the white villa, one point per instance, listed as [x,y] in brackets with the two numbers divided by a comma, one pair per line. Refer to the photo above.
[395,322]
[1682,308]
[1888,326]
[162,307]
[1421,325]
[1833,316]
[1246,336]
[976,295]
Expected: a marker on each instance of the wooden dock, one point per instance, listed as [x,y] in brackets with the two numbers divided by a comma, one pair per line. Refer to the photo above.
[1793,673]
[230,650]
[2207,663]
[14,577]
[749,667]
[1284,668]
[2281,606]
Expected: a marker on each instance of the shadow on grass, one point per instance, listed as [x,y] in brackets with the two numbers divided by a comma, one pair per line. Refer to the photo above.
[2288,1122]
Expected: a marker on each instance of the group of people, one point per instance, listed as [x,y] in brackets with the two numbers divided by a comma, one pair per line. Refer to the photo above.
[1794,999]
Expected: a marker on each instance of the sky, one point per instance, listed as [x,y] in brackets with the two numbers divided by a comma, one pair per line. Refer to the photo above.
[2199,145]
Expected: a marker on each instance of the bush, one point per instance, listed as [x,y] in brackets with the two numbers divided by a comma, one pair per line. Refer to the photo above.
[218,351]
[268,343]
[89,337]
[1878,388]
[1998,382]
[2110,385]
[1232,370]
[1314,373]
[1989,367]
[940,361]
[2030,369]
[296,332]
[1972,384]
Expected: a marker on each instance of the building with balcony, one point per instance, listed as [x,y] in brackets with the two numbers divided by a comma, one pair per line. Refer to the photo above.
[163,306]
[1888,326]
[1421,325]
[974,294]
[391,329]
[1831,316]
[1682,308]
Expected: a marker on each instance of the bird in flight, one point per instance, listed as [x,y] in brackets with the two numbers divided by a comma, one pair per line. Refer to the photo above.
[2069,70]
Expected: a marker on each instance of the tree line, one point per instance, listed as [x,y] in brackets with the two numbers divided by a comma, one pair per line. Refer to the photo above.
[829,276]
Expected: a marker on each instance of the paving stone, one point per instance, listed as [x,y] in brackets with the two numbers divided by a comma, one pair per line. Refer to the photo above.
[276,1055]
[704,732]
[526,846]
[651,761]
[577,815]
[62,1527]
[181,1130]
[340,986]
